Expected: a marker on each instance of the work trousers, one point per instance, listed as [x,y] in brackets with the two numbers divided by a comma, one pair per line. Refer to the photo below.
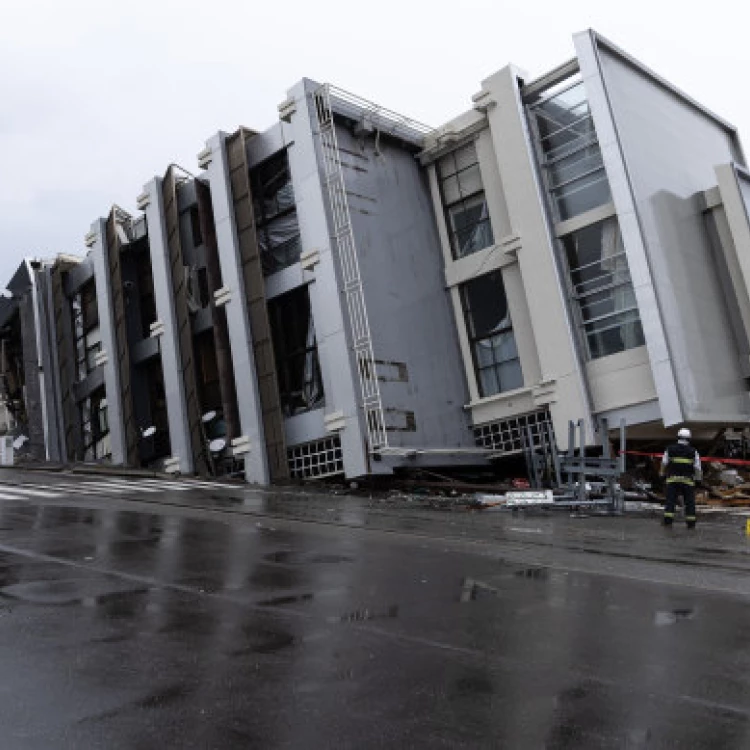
[674,489]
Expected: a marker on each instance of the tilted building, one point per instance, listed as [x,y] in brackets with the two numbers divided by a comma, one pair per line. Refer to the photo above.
[350,292]
[596,270]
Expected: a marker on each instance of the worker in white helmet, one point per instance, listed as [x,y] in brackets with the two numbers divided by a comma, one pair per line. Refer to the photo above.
[681,465]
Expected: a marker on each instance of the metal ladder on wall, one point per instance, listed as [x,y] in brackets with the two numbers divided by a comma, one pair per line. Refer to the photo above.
[346,249]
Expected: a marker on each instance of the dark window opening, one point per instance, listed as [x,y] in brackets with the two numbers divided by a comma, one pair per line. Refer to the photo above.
[296,350]
[493,343]
[195,226]
[209,389]
[157,446]
[275,211]
[465,204]
[202,283]
[146,296]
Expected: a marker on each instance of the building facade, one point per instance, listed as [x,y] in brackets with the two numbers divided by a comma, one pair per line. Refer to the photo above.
[349,292]
[585,205]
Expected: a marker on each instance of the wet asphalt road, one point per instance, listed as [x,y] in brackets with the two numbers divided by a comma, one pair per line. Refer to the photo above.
[138,614]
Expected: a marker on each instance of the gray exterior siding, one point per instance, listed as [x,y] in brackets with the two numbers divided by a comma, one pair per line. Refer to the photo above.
[413,332]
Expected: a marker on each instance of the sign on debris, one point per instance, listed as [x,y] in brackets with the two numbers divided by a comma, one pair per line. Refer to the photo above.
[529,497]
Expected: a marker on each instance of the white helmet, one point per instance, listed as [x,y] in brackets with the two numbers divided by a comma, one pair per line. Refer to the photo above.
[684,434]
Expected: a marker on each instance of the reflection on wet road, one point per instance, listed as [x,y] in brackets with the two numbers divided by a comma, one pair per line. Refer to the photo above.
[166,627]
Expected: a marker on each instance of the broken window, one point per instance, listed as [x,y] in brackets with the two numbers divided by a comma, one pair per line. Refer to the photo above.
[275,211]
[493,343]
[85,310]
[95,426]
[602,290]
[296,351]
[570,153]
[146,297]
[464,201]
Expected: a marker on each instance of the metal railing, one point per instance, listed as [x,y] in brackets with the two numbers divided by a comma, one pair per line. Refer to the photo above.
[381,118]
[346,249]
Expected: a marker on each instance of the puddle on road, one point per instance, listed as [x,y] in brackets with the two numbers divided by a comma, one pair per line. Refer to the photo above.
[281,600]
[473,685]
[366,614]
[289,557]
[260,640]
[671,617]
[163,697]
[67,591]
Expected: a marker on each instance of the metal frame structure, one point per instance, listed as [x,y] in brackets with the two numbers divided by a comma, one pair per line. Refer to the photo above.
[569,471]
[346,249]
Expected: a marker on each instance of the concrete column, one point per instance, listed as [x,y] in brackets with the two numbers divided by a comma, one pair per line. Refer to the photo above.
[174,386]
[337,365]
[96,240]
[562,377]
[214,158]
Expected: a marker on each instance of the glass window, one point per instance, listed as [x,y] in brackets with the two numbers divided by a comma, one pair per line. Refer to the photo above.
[275,214]
[493,344]
[296,351]
[570,153]
[95,426]
[465,204]
[85,310]
[602,290]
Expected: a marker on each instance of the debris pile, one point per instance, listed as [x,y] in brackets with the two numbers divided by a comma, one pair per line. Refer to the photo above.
[726,482]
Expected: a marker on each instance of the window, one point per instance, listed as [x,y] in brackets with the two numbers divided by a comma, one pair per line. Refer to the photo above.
[296,350]
[95,426]
[145,289]
[570,153]
[602,290]
[275,214]
[195,226]
[493,344]
[85,310]
[465,204]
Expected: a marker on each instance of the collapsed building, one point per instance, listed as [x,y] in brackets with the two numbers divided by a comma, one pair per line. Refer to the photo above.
[350,292]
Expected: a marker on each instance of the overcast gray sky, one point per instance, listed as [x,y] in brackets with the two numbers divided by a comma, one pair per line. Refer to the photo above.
[97,97]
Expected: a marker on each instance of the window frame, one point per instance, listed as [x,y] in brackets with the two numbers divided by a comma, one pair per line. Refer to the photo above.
[264,219]
[285,355]
[560,191]
[474,339]
[462,200]
[578,297]
[83,302]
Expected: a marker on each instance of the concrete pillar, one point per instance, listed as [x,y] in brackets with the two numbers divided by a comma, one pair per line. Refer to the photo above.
[214,159]
[174,385]
[96,240]
[337,365]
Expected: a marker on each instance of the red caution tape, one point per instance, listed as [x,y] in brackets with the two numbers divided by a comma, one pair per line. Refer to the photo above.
[704,459]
